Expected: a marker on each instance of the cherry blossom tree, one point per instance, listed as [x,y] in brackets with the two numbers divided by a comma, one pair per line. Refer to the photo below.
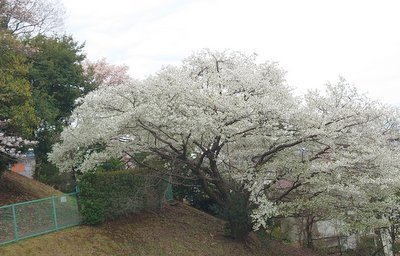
[235,126]
[23,17]
[102,73]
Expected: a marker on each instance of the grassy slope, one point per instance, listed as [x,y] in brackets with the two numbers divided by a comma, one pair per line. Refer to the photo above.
[175,230]
[17,188]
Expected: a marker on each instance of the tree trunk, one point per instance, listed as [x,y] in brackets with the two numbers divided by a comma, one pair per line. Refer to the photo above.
[387,242]
[308,231]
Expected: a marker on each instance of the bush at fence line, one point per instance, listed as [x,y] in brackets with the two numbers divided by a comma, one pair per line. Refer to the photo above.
[107,195]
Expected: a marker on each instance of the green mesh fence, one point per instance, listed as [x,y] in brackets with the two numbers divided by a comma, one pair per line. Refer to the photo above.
[27,219]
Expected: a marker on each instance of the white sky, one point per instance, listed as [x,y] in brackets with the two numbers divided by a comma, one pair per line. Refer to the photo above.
[314,40]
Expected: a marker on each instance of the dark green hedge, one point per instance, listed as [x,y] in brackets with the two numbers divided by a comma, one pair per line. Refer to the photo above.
[107,195]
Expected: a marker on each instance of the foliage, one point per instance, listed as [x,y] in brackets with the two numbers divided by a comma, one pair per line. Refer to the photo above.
[56,74]
[17,116]
[192,193]
[279,234]
[237,214]
[225,117]
[366,246]
[49,174]
[57,81]
[111,165]
[15,94]
[41,78]
[107,195]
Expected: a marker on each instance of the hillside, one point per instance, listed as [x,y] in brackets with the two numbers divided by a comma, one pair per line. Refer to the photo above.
[175,230]
[16,188]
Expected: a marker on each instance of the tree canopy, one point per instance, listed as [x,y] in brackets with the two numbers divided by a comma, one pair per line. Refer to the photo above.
[17,116]
[56,76]
[57,80]
[235,125]
[41,77]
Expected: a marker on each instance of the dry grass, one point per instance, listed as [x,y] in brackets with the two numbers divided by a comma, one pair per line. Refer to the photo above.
[28,186]
[175,230]
[15,188]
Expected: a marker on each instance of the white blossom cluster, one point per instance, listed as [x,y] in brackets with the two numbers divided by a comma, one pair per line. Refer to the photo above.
[227,117]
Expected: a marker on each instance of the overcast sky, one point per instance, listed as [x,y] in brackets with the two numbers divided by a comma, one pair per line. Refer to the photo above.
[315,41]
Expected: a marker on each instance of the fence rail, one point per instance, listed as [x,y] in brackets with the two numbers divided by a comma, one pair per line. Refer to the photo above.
[32,218]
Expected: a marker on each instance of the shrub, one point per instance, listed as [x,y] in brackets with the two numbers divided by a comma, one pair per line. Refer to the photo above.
[49,174]
[194,194]
[107,195]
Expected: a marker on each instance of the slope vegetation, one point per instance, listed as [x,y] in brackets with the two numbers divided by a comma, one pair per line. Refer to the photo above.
[16,188]
[174,230]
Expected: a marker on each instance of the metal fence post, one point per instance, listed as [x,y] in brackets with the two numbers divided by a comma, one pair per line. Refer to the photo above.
[15,223]
[53,202]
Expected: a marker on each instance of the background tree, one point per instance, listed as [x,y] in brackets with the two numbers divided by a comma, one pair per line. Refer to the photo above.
[101,73]
[42,78]
[17,115]
[31,17]
[234,125]
[57,80]
[56,76]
